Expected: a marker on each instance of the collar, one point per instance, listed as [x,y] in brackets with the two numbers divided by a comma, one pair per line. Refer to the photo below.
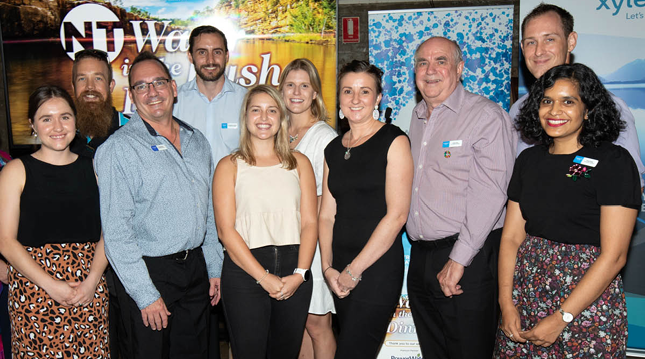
[152,131]
[228,86]
[453,103]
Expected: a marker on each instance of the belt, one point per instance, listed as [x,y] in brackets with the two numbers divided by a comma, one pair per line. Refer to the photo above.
[439,243]
[180,256]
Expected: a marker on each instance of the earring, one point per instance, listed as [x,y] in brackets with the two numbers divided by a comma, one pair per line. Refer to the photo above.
[375,113]
[341,114]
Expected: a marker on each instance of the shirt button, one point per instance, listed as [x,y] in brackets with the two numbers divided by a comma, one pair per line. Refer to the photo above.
[416,213]
[420,166]
[425,143]
[421,236]
[416,189]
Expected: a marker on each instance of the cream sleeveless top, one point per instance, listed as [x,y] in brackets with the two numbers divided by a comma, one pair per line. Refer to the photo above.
[267,201]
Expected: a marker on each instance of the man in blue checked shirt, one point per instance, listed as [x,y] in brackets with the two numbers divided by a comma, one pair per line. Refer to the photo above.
[155,177]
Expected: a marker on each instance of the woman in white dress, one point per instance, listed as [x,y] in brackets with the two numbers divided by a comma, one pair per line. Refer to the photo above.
[309,134]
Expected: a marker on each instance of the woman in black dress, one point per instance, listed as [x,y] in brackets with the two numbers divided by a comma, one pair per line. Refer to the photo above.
[572,206]
[366,197]
[50,232]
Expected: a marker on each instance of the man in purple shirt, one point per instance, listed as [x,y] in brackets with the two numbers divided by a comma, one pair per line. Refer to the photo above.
[547,41]
[463,147]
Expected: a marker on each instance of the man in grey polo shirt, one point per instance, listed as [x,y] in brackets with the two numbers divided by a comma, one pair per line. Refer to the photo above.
[155,177]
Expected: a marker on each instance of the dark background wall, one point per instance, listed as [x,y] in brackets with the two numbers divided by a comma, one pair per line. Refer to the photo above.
[346,52]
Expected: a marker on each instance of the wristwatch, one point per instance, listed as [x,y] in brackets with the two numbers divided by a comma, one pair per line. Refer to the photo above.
[305,273]
[566,316]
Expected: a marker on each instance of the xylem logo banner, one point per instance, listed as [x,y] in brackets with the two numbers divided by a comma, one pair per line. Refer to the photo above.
[95,22]
[617,5]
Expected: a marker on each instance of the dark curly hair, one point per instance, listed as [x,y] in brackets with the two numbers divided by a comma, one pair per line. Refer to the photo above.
[603,123]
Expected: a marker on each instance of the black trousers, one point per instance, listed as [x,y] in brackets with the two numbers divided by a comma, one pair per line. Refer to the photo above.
[259,326]
[118,320]
[183,285]
[464,326]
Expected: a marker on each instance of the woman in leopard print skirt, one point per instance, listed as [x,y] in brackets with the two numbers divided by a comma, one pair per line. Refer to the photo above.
[50,232]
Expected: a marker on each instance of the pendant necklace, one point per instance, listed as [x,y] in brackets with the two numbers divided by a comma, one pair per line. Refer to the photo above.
[293,138]
[349,142]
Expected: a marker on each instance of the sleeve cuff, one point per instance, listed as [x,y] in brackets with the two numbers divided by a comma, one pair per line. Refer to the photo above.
[143,300]
[462,253]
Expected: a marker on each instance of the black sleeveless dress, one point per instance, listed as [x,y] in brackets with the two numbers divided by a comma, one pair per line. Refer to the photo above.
[59,227]
[358,186]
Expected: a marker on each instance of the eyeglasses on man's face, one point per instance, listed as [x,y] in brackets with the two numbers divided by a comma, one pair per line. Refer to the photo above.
[144,87]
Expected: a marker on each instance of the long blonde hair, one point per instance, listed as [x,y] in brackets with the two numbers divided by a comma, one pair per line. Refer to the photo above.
[281,139]
[318,109]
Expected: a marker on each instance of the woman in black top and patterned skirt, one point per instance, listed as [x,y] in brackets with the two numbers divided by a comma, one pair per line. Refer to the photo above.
[572,206]
[365,202]
[50,232]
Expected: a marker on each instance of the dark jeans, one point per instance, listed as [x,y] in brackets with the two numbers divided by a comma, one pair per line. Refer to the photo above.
[464,326]
[183,285]
[259,326]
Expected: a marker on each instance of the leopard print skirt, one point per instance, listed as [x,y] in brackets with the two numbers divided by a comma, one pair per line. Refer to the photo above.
[43,328]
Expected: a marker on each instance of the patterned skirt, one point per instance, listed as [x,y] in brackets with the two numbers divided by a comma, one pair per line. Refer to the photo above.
[545,274]
[43,328]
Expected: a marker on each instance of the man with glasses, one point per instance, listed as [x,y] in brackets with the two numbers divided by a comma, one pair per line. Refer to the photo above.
[155,177]
[93,84]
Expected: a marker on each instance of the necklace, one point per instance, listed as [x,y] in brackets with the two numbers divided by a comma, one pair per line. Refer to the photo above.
[293,138]
[349,142]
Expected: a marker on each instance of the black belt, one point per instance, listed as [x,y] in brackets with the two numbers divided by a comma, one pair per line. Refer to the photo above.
[179,256]
[439,243]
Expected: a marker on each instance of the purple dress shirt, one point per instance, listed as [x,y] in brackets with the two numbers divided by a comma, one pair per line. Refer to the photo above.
[463,160]
[628,138]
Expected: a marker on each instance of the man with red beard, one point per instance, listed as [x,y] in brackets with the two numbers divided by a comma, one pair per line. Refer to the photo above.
[96,120]
[93,84]
[211,103]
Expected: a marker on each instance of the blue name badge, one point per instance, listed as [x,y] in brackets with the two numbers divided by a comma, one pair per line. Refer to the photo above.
[158,148]
[231,126]
[447,144]
[585,161]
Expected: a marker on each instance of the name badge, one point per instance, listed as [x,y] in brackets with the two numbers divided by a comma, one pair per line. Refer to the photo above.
[585,161]
[455,143]
[232,126]
[159,148]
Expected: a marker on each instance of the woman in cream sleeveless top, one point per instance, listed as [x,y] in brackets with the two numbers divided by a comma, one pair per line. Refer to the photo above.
[264,197]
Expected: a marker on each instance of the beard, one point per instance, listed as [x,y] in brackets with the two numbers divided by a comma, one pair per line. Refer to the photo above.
[94,119]
[215,77]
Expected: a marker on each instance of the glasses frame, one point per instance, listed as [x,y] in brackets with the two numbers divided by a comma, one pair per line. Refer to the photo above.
[158,84]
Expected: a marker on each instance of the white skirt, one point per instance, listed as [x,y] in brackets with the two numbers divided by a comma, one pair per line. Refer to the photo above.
[322,301]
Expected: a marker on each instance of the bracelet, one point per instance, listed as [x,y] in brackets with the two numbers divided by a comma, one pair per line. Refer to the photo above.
[266,273]
[325,270]
[354,279]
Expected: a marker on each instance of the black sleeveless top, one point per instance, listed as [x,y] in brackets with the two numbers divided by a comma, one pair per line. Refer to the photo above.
[358,186]
[59,204]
